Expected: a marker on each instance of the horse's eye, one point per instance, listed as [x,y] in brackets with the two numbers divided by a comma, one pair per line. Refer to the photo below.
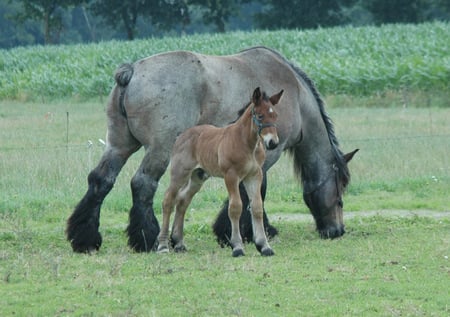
[340,203]
[260,116]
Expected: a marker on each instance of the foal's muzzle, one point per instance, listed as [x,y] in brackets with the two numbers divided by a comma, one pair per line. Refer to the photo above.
[270,141]
[272,145]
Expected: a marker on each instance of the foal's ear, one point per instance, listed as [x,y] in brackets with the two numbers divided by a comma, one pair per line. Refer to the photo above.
[276,98]
[256,96]
[350,155]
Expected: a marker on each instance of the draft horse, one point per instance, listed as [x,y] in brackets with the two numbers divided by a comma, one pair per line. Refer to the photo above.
[235,153]
[157,98]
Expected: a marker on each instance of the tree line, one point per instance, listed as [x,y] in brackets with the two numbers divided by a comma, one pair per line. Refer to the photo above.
[32,22]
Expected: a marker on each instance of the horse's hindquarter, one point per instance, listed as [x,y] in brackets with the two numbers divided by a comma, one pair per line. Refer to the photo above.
[164,97]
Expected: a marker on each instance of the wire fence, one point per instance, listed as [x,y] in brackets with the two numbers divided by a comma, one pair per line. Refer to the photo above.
[100,143]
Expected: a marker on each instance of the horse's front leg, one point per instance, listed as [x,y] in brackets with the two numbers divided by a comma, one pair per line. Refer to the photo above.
[252,185]
[143,228]
[234,212]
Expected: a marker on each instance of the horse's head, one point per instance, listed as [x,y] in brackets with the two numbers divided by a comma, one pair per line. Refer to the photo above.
[324,198]
[264,117]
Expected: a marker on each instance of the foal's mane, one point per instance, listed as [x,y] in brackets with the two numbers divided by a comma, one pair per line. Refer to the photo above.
[343,172]
[244,108]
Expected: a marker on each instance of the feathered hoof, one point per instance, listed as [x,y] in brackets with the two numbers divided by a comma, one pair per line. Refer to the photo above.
[180,248]
[267,252]
[238,252]
[87,241]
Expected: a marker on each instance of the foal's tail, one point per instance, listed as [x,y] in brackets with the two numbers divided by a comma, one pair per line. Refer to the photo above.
[123,76]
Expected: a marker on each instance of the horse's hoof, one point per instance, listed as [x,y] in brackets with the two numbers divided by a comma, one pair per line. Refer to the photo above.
[87,242]
[238,252]
[180,248]
[267,252]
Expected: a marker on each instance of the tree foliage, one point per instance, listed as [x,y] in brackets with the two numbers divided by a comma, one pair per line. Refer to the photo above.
[218,12]
[301,13]
[25,22]
[164,14]
[49,12]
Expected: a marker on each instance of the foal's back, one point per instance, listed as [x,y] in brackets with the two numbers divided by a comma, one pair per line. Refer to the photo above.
[199,147]
[213,149]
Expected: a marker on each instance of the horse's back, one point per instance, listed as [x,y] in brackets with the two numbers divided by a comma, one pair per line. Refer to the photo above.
[170,92]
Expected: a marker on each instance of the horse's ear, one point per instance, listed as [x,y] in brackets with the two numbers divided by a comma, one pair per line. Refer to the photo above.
[256,96]
[276,98]
[350,155]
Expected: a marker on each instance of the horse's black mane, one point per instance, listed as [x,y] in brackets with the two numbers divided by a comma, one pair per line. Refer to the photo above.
[344,173]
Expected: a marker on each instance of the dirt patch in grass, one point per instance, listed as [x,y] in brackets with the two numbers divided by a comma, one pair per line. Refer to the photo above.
[368,213]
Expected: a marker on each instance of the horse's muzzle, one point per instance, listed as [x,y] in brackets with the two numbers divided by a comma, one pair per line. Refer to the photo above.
[331,232]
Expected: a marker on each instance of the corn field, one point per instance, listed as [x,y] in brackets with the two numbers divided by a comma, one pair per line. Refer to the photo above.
[342,60]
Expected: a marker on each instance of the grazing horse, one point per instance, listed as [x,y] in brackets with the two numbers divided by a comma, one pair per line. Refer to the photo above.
[157,98]
[236,154]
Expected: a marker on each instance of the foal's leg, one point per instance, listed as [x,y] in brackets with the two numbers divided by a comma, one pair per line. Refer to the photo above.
[234,212]
[222,225]
[179,178]
[184,198]
[253,185]
[167,208]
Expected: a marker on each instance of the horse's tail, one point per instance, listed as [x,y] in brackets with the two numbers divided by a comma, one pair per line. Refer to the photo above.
[296,155]
[122,77]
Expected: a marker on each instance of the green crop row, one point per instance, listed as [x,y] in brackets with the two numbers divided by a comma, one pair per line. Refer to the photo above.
[346,60]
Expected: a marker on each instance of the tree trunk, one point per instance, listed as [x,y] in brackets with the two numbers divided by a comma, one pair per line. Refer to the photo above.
[91,31]
[47,39]
[129,25]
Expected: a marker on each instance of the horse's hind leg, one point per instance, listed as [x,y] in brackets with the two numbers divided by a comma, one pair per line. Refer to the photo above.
[82,225]
[143,228]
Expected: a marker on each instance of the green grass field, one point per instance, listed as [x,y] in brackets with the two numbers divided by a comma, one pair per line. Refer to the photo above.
[403,161]
[384,265]
[52,118]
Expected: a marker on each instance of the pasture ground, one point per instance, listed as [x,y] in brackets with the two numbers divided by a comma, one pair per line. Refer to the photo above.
[385,264]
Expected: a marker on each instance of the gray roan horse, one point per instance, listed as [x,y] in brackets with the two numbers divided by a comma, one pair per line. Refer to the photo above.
[236,154]
[157,98]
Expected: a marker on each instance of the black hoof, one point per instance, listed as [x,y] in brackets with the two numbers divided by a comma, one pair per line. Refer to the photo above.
[142,235]
[267,252]
[238,252]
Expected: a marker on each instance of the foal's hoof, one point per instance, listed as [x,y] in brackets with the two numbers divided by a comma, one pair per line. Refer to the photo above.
[180,248]
[238,252]
[267,252]
[162,249]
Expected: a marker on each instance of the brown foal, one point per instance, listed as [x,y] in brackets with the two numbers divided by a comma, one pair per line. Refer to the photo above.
[235,153]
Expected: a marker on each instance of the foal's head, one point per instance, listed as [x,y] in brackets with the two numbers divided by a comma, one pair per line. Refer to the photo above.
[264,117]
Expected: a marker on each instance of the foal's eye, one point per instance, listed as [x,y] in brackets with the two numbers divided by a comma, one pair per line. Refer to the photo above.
[260,116]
